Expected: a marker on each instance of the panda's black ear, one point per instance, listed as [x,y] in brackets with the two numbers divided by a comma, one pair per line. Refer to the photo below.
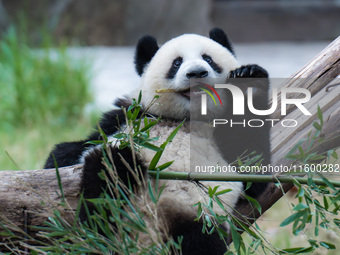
[145,50]
[218,35]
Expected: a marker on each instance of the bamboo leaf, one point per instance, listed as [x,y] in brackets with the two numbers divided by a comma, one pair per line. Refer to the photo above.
[151,146]
[297,250]
[300,206]
[254,202]
[164,166]
[158,155]
[292,218]
[149,126]
[317,125]
[236,237]
[327,245]
[223,192]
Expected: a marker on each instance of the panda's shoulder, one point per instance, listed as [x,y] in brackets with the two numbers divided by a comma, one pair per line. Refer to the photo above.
[112,121]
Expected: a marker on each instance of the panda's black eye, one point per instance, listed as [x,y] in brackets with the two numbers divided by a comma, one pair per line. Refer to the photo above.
[177,62]
[207,59]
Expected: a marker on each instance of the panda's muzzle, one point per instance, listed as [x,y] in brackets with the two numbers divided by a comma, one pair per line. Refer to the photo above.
[197,74]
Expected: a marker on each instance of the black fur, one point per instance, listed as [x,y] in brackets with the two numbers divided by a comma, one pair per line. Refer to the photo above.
[174,69]
[219,36]
[194,241]
[146,48]
[66,154]
[249,71]
[92,185]
[213,65]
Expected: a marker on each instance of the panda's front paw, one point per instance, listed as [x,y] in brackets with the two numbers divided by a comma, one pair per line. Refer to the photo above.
[249,71]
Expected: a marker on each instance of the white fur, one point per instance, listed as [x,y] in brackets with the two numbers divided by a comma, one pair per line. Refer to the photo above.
[197,148]
[190,47]
[179,197]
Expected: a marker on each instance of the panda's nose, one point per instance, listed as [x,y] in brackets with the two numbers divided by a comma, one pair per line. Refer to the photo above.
[197,74]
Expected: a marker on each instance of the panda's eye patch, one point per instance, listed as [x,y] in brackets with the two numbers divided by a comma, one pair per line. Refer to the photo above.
[177,62]
[174,68]
[212,63]
[207,59]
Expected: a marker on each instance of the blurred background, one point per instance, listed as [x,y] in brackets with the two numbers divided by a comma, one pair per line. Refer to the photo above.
[62,62]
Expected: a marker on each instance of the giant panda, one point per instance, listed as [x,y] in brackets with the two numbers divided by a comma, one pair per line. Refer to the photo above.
[173,66]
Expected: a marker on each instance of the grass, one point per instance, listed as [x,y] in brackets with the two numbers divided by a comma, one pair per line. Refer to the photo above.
[42,98]
[24,149]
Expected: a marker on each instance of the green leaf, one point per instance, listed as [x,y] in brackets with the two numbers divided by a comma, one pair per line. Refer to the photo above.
[164,166]
[300,206]
[235,237]
[337,222]
[95,142]
[254,202]
[248,185]
[326,181]
[158,154]
[199,209]
[292,218]
[223,192]
[298,250]
[139,100]
[328,246]
[120,136]
[151,146]
[59,179]
[207,219]
[317,126]
[219,203]
[212,191]
[295,147]
[335,155]
[149,126]
[151,193]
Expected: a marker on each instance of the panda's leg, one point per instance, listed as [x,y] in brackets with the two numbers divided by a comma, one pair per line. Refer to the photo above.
[92,185]
[65,154]
[195,242]
[178,216]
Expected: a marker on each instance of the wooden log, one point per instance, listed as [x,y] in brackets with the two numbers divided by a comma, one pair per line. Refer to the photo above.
[27,197]
[35,191]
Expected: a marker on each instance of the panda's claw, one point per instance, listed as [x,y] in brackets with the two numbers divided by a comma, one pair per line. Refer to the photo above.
[249,71]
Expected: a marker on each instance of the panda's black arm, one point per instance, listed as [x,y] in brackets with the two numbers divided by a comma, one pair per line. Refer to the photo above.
[110,123]
[65,154]
[70,153]
[242,139]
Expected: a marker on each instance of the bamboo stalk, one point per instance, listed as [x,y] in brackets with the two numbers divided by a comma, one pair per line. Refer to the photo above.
[237,178]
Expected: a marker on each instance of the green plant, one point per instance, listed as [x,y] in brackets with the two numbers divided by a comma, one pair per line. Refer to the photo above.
[119,221]
[39,86]
[43,93]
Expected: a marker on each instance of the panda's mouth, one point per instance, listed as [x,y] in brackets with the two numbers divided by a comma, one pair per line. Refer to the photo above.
[191,92]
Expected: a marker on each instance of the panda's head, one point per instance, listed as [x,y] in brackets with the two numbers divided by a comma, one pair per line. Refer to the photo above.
[176,64]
